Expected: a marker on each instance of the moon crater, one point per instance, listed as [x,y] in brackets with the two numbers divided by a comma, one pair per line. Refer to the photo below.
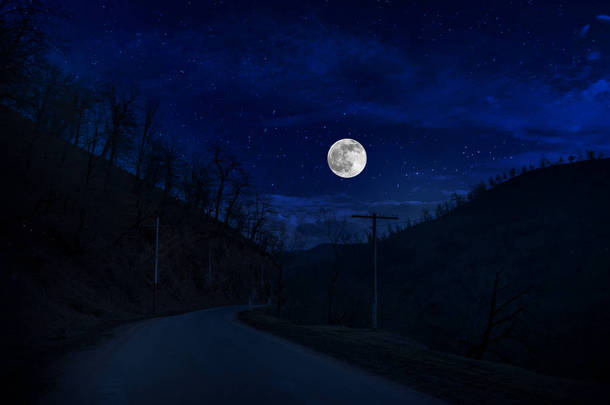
[346,158]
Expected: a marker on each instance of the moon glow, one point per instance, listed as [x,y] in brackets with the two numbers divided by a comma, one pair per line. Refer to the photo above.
[346,158]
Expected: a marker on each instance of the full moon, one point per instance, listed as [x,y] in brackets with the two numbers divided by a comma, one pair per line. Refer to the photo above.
[346,158]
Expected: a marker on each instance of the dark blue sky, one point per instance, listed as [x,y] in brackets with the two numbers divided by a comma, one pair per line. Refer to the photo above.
[441,94]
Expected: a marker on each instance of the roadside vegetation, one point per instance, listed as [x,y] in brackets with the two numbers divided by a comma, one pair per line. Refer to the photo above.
[456,379]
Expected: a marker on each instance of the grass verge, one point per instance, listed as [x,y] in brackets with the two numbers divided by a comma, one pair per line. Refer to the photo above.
[456,379]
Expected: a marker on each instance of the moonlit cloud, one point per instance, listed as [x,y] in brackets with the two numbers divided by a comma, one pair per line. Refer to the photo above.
[584,30]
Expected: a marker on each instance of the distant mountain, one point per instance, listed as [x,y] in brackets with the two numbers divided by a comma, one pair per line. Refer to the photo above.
[543,238]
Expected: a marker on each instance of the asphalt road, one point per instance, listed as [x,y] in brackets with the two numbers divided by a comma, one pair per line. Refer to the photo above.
[208,357]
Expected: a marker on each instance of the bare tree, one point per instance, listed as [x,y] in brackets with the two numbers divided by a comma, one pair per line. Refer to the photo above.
[79,101]
[239,182]
[426,216]
[170,161]
[93,134]
[225,164]
[152,163]
[39,97]
[258,215]
[337,236]
[440,211]
[502,316]
[148,127]
[196,186]
[281,245]
[121,124]
[477,191]
[23,42]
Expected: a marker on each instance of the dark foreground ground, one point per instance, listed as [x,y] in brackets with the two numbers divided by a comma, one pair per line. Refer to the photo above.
[25,372]
[208,357]
[456,379]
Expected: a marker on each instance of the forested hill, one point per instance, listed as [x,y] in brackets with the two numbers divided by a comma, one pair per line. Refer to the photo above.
[541,240]
[77,243]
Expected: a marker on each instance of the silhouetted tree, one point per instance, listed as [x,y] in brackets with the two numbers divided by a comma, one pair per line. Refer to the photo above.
[426,217]
[147,129]
[477,190]
[258,215]
[337,236]
[152,162]
[440,212]
[238,183]
[225,164]
[23,43]
[120,126]
[457,199]
[170,161]
[280,245]
[196,187]
[502,316]
[79,101]
[96,119]
[39,99]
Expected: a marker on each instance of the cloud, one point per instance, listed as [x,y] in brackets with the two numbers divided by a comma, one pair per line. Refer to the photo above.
[595,55]
[600,87]
[584,30]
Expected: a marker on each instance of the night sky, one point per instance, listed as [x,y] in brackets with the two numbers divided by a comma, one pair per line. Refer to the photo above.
[441,94]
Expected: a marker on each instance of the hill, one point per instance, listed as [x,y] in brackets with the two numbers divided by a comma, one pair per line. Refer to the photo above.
[541,241]
[77,246]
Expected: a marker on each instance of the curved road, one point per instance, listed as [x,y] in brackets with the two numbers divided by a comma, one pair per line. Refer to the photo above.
[208,357]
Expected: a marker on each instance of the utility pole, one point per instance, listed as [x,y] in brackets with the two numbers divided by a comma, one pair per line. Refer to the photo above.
[156,266]
[374,217]
[209,262]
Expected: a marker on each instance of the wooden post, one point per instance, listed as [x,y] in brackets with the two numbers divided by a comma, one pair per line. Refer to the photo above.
[209,262]
[156,267]
[374,315]
[374,217]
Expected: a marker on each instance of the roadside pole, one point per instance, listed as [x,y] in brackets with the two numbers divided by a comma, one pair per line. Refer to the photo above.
[156,266]
[374,217]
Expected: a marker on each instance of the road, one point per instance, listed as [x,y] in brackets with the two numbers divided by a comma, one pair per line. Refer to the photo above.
[209,357]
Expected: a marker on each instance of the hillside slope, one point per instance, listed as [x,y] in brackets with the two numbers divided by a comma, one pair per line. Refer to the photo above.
[546,234]
[77,251]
